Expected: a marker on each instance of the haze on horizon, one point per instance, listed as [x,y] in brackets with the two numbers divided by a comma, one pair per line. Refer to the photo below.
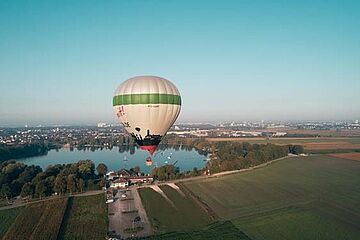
[60,62]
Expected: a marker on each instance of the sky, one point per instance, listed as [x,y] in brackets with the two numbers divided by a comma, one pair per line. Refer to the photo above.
[61,61]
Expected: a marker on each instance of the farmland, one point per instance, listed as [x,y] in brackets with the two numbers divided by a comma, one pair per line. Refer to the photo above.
[85,218]
[60,218]
[161,212]
[311,144]
[38,220]
[7,217]
[350,155]
[49,224]
[299,198]
[218,231]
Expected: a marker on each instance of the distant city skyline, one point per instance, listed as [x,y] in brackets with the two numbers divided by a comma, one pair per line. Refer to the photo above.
[60,62]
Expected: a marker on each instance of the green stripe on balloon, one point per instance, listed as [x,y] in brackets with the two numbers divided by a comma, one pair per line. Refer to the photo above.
[146,98]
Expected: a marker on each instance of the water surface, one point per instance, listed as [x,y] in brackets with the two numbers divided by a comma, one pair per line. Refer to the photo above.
[115,159]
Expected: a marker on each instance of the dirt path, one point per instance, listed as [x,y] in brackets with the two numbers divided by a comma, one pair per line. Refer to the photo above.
[176,187]
[157,189]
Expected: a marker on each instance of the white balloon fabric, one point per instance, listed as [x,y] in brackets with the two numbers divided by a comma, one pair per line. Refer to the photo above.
[147,106]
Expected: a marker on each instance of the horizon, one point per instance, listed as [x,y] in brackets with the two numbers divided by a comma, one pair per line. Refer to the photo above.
[60,63]
[177,123]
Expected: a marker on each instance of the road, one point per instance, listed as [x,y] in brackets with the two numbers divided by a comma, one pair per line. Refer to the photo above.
[19,202]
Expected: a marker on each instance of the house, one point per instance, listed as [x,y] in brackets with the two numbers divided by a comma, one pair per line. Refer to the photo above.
[141,179]
[120,183]
[124,173]
[111,176]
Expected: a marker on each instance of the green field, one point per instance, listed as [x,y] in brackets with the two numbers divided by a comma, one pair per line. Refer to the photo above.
[353,140]
[161,212]
[218,231]
[60,218]
[299,198]
[49,224]
[7,218]
[38,220]
[85,218]
[301,223]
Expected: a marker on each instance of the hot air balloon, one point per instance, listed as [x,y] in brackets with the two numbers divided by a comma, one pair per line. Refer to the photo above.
[147,106]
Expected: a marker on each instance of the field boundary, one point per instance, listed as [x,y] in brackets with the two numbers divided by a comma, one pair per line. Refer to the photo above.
[220,174]
[200,202]
[65,218]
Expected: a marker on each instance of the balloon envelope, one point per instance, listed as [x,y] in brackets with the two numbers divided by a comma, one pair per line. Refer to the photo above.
[147,106]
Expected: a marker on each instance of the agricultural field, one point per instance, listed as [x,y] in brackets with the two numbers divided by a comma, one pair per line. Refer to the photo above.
[350,155]
[38,220]
[7,218]
[316,197]
[218,231]
[162,213]
[85,218]
[312,144]
[49,224]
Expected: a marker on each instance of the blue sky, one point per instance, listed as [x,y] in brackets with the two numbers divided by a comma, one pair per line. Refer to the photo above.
[60,61]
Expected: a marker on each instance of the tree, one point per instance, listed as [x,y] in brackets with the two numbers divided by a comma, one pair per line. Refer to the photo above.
[86,169]
[40,189]
[101,169]
[5,191]
[102,183]
[60,184]
[28,174]
[81,185]
[136,169]
[27,190]
[296,149]
[71,183]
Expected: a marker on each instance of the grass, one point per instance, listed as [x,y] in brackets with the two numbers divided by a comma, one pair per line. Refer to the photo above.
[296,224]
[217,230]
[26,222]
[325,192]
[162,213]
[7,218]
[49,224]
[38,220]
[85,218]
[311,144]
[329,151]
[292,140]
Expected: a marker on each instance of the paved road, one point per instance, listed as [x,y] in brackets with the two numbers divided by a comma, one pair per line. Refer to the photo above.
[18,202]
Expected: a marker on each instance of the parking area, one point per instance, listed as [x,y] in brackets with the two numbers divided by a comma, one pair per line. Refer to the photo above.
[127,217]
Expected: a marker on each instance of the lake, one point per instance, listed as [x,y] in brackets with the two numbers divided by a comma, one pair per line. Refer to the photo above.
[118,158]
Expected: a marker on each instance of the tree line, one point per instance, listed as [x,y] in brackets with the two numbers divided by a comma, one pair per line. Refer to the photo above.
[16,178]
[227,156]
[23,150]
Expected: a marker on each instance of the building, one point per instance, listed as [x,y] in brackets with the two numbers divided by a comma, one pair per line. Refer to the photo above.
[101,125]
[279,134]
[141,179]
[120,183]
[124,173]
[111,176]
